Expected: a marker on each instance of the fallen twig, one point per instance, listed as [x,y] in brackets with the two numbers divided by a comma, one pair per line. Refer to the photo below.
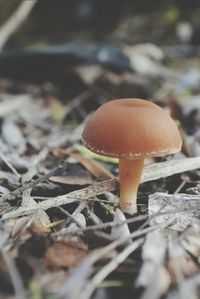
[85,268]
[150,173]
[108,268]
[15,21]
[84,289]
[32,183]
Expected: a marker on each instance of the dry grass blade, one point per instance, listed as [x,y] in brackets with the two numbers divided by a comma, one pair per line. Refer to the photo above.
[152,172]
[13,104]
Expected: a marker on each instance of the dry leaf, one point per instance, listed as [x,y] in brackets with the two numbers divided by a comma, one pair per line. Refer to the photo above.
[10,177]
[40,216]
[19,226]
[94,167]
[122,230]
[38,226]
[89,73]
[4,191]
[13,104]
[153,271]
[180,263]
[189,288]
[11,133]
[57,109]
[22,226]
[181,206]
[185,264]
[191,241]
[64,255]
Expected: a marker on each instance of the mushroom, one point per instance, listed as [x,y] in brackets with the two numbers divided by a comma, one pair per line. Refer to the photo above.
[131,130]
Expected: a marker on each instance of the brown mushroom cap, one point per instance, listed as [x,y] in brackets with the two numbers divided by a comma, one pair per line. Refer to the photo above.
[131,129]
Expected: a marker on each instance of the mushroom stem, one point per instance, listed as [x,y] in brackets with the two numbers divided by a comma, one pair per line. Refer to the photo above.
[129,177]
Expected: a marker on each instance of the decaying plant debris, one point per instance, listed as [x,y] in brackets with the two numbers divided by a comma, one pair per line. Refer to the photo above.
[58,207]
[62,234]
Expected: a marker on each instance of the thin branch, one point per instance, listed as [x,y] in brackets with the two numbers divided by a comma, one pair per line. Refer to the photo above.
[127,221]
[30,184]
[164,169]
[85,268]
[150,173]
[101,226]
[86,194]
[70,216]
[108,268]
[15,21]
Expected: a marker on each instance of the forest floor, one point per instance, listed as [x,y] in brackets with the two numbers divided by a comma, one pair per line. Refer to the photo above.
[62,234]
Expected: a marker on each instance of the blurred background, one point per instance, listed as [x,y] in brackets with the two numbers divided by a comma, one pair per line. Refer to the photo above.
[51,38]
[53,22]
[77,54]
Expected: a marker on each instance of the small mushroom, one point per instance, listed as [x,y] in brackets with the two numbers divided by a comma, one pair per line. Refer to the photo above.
[131,130]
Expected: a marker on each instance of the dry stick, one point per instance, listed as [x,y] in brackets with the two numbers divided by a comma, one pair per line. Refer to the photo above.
[70,216]
[103,225]
[79,209]
[127,221]
[86,193]
[168,168]
[150,173]
[83,270]
[113,264]
[15,21]
[180,196]
[32,183]
[108,268]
